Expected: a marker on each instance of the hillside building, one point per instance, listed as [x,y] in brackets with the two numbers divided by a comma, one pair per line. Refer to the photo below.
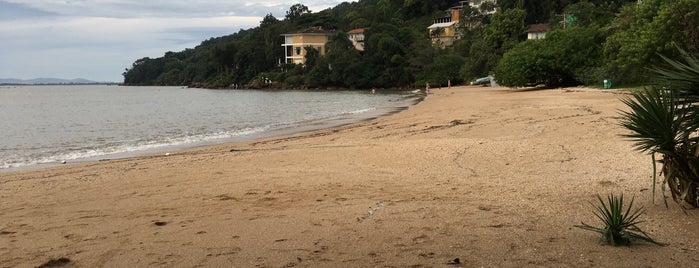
[295,44]
[445,30]
[357,38]
[537,31]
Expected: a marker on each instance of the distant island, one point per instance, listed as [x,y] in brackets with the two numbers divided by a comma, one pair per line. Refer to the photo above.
[52,81]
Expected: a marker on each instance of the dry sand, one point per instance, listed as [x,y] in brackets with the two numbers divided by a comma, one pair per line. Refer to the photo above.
[492,176]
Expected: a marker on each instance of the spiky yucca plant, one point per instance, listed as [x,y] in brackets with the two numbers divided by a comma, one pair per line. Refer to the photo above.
[664,120]
[619,224]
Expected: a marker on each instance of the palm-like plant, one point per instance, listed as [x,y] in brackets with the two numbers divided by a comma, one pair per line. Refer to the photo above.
[664,120]
[619,224]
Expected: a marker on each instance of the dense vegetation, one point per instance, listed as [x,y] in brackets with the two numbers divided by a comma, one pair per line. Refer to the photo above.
[602,39]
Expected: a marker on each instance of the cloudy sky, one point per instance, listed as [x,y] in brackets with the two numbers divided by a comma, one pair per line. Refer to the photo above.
[98,39]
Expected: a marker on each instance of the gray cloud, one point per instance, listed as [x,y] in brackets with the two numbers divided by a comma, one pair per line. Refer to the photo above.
[81,46]
[167,8]
[10,11]
[97,39]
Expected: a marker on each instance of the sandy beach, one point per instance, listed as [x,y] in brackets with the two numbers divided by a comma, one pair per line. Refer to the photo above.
[492,176]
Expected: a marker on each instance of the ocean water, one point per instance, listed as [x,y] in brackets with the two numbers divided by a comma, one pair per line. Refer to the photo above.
[45,125]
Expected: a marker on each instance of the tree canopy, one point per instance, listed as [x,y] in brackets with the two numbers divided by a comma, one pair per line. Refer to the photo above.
[589,40]
[563,58]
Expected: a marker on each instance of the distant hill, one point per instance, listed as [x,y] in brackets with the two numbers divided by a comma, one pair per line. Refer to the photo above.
[47,81]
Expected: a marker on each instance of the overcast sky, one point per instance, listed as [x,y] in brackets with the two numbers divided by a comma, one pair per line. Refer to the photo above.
[98,39]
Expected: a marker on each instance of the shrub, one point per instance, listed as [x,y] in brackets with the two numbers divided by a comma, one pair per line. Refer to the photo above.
[664,120]
[619,224]
[554,61]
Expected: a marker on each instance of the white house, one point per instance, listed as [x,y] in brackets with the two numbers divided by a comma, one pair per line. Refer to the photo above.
[357,38]
[537,31]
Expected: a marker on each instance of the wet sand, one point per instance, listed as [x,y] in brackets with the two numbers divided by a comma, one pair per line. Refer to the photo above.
[492,176]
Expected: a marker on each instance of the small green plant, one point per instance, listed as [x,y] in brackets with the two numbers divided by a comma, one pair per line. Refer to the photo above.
[619,224]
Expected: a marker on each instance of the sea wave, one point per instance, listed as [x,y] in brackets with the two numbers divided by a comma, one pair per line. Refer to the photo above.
[125,148]
[91,123]
[360,111]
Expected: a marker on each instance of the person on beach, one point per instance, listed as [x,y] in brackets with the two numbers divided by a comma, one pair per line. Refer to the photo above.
[427,87]
[449,83]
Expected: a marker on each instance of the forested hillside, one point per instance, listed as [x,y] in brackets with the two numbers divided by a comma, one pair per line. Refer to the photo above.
[601,39]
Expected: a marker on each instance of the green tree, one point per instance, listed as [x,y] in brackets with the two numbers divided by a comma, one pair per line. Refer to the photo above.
[445,67]
[318,74]
[385,53]
[587,13]
[519,66]
[312,56]
[345,62]
[505,31]
[556,60]
[642,31]
[538,11]
[416,8]
[296,11]
[422,58]
[542,11]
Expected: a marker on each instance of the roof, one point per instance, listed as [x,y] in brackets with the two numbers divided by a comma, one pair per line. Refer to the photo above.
[310,31]
[441,25]
[356,31]
[538,28]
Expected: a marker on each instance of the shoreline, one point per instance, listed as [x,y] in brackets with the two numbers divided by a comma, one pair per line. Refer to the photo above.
[492,176]
[292,129]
